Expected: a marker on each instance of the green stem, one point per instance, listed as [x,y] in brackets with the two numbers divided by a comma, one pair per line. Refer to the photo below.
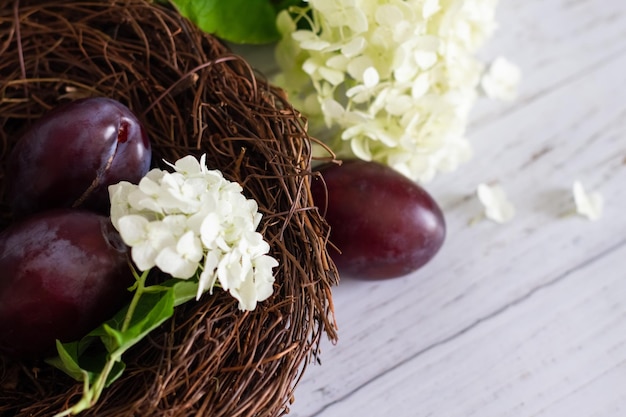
[91,394]
[100,383]
[141,286]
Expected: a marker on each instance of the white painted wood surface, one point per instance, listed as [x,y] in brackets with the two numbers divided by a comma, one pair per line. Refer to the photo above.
[522,319]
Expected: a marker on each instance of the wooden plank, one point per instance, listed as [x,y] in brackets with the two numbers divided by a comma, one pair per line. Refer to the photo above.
[559,351]
[553,42]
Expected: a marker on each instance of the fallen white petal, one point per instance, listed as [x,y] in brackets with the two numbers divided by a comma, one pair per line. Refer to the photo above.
[497,206]
[502,79]
[589,205]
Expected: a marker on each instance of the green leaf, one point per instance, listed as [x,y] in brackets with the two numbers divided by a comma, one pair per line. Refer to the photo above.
[96,359]
[151,311]
[238,21]
[184,291]
[67,360]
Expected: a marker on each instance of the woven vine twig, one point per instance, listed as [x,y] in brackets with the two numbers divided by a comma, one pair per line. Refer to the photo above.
[194,97]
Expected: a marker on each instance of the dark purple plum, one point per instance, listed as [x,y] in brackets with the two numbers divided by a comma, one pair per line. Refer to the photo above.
[62,273]
[384,224]
[70,156]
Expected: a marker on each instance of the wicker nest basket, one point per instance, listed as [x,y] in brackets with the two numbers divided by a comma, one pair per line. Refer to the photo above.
[194,97]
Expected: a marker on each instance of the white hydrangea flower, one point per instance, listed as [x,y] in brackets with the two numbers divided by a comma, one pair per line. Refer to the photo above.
[589,205]
[390,81]
[497,206]
[193,222]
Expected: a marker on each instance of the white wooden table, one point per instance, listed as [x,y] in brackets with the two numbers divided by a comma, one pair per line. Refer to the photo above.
[526,318]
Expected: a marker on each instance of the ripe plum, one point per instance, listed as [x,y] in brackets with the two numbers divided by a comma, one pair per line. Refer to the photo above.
[384,224]
[70,156]
[63,272]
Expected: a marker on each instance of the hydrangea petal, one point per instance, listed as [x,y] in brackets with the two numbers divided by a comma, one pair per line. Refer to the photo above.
[133,229]
[190,166]
[388,15]
[354,47]
[370,77]
[497,206]
[589,205]
[208,277]
[247,293]
[143,255]
[425,59]
[118,195]
[174,263]
[430,8]
[502,79]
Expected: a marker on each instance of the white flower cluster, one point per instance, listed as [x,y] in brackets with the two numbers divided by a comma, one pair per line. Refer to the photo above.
[193,221]
[394,80]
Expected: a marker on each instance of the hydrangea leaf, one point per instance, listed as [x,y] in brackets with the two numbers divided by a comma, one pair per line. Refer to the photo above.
[239,21]
[152,310]
[67,360]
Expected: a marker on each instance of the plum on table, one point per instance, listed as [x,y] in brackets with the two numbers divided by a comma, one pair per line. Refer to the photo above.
[383,224]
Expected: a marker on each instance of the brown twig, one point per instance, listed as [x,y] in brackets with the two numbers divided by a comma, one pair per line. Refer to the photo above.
[193,96]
